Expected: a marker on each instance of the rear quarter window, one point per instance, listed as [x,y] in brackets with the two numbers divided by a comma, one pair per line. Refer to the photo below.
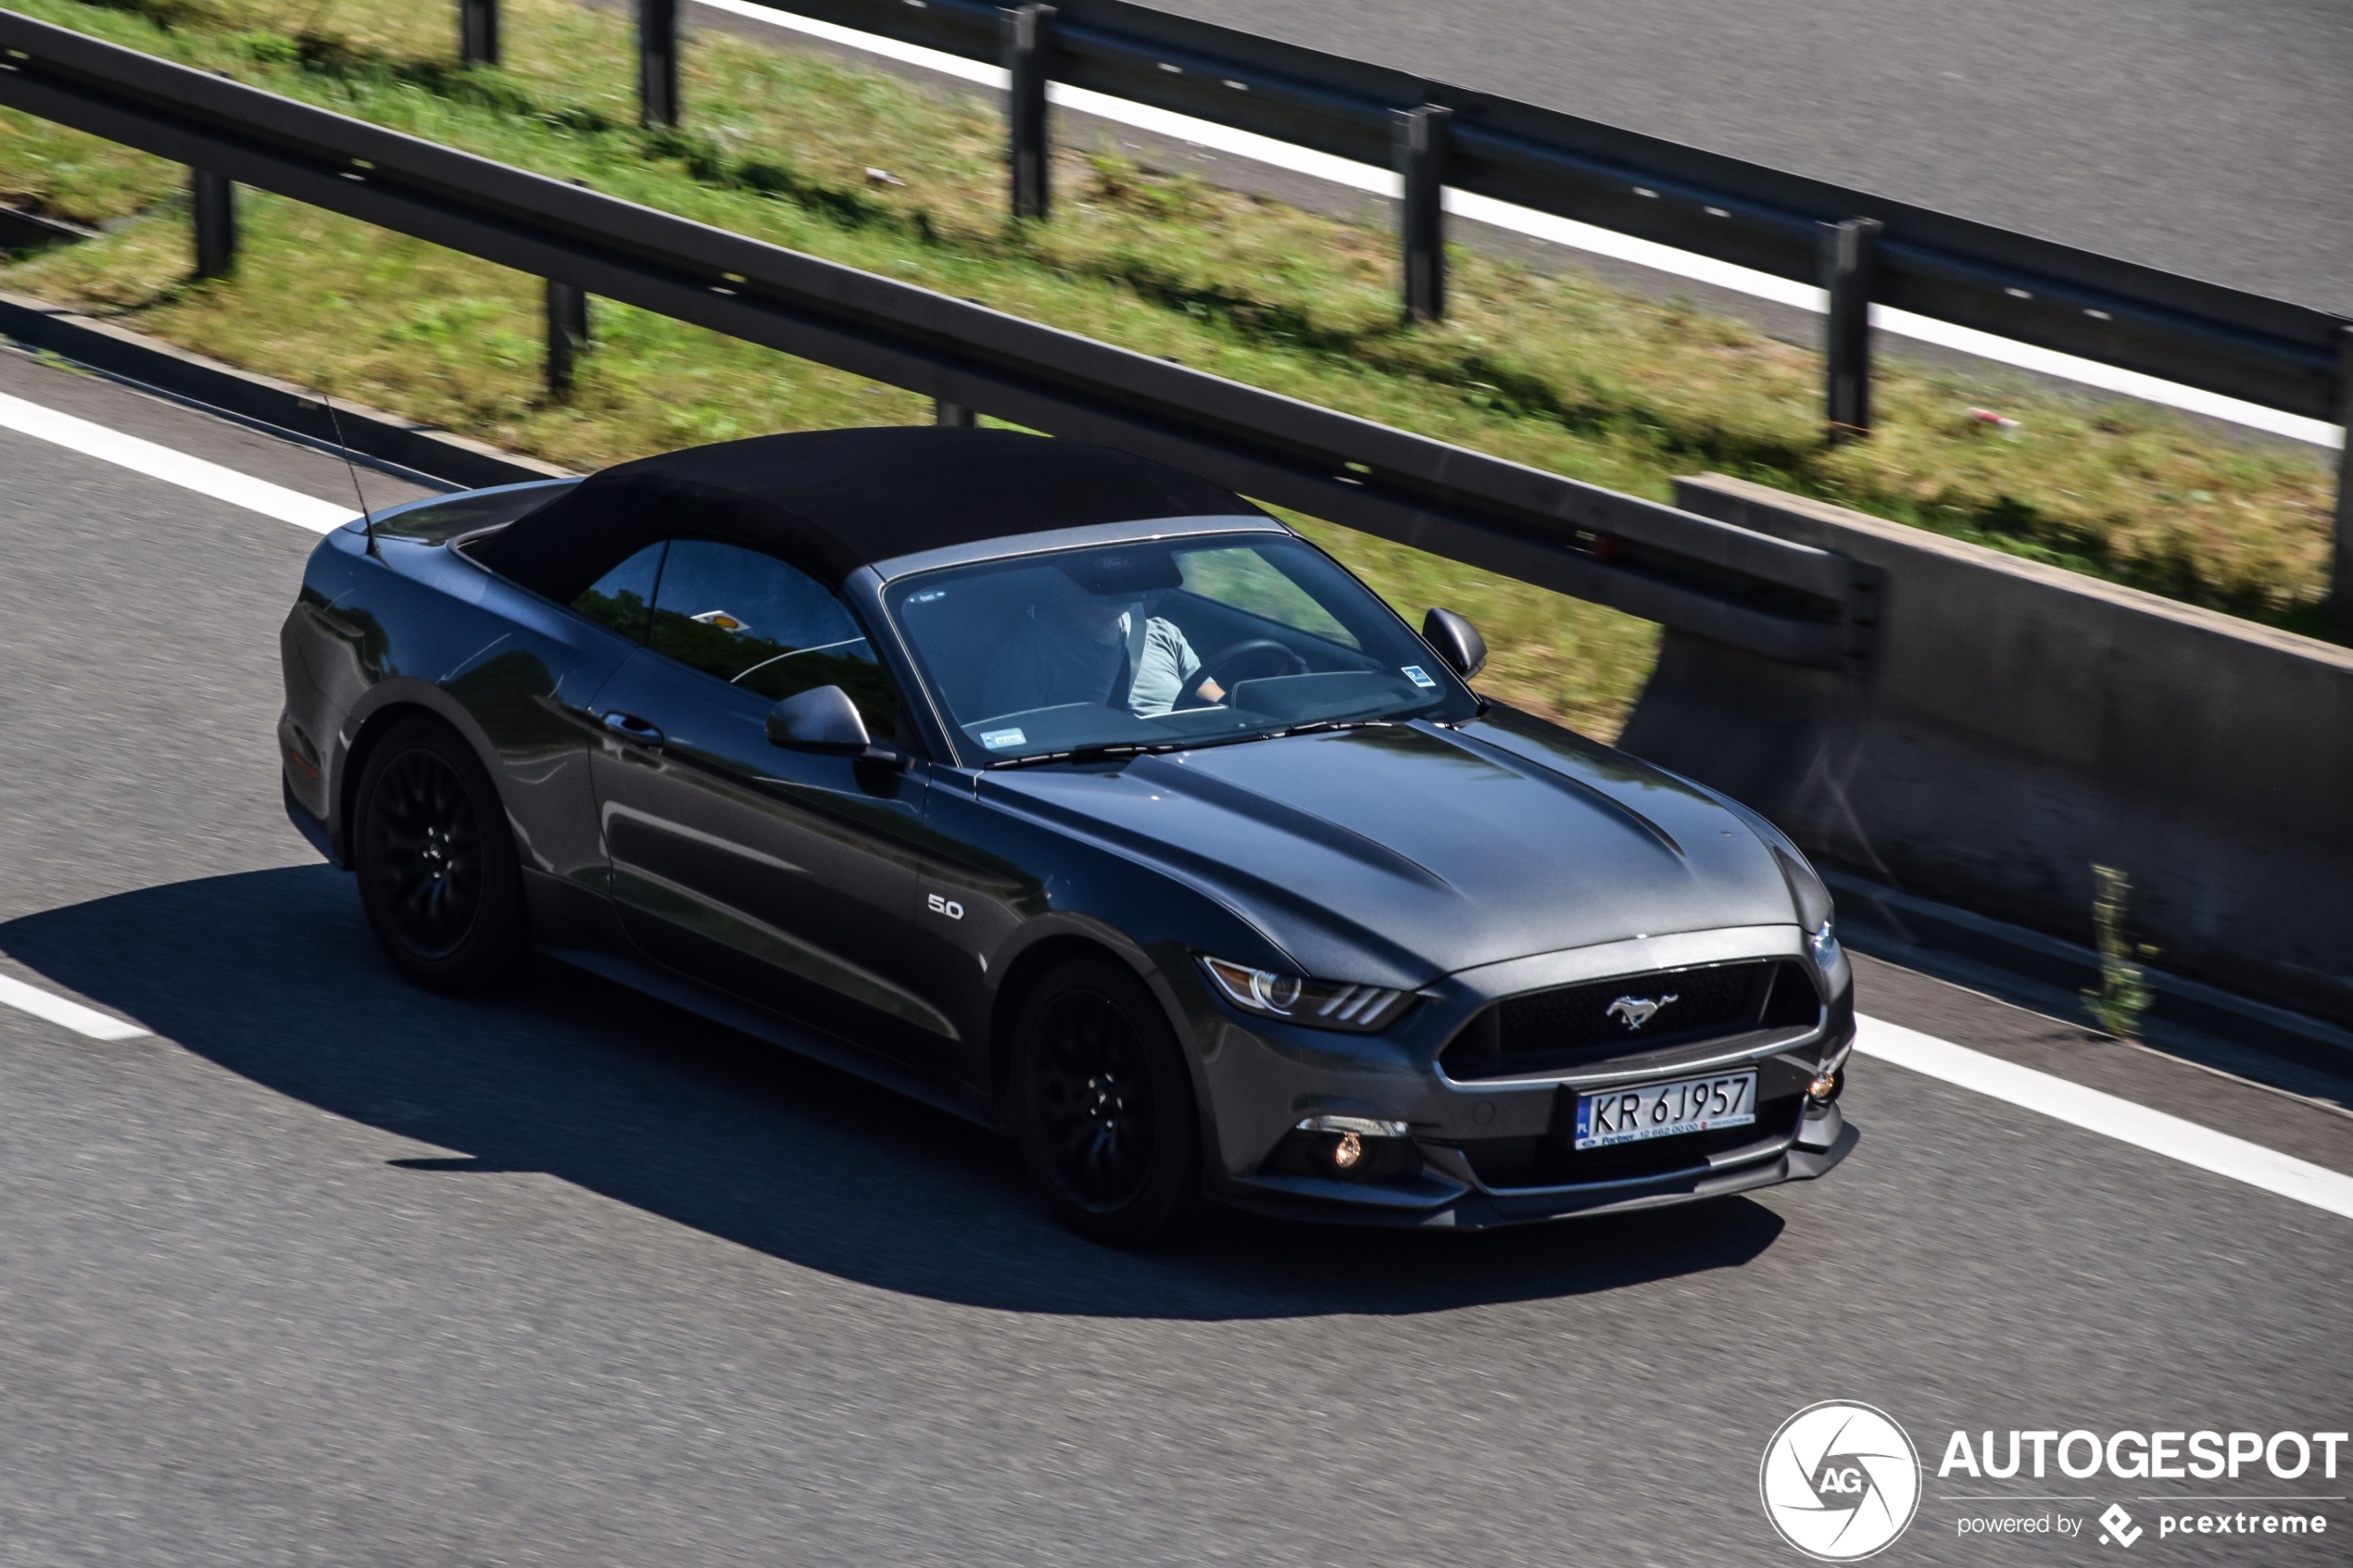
[766,626]
[623,597]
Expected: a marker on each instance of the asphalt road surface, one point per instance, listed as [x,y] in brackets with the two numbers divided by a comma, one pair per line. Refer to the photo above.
[2211,140]
[328,1270]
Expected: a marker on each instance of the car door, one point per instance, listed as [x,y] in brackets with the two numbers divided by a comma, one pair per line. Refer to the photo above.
[785,878]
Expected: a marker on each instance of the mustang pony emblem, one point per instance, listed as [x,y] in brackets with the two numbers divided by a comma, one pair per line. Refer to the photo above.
[1635,1011]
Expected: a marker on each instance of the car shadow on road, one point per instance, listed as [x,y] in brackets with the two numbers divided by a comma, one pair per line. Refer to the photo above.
[273,976]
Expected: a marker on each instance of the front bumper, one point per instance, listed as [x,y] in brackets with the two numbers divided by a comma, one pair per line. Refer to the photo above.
[308,824]
[1439,1200]
[1491,1151]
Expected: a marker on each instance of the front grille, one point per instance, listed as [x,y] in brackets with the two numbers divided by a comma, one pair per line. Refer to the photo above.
[1696,1001]
[1562,1029]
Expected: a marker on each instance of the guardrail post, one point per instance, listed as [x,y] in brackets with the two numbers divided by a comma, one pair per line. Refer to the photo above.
[1028,32]
[478,31]
[213,199]
[2340,567]
[657,62]
[953,416]
[1850,271]
[567,334]
[1420,144]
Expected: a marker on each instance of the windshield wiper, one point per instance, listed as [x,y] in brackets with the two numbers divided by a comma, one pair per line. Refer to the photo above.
[1095,753]
[1153,748]
[1315,726]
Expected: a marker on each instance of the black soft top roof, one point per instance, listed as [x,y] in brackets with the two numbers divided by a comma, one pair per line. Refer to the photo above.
[831,501]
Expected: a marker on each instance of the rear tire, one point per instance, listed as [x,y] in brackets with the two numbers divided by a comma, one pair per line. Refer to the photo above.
[1103,1106]
[438,875]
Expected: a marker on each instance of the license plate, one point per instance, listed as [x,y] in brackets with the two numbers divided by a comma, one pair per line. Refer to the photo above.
[1666,1111]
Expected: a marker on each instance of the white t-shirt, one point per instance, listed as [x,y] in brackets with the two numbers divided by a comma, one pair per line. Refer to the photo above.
[1165,672]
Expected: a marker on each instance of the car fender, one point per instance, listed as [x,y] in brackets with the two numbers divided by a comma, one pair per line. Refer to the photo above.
[1028,881]
[372,714]
[510,673]
[1030,885]
[1161,971]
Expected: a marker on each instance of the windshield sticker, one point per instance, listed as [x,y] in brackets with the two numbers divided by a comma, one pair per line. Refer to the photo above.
[1414,674]
[998,740]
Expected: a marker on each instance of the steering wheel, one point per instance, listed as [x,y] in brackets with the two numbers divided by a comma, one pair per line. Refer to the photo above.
[1220,669]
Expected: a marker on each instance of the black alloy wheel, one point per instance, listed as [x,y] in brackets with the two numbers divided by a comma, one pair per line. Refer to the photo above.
[424,853]
[1106,1110]
[436,868]
[1095,1108]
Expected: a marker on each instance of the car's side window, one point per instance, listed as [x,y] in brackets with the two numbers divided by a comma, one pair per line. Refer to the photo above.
[757,622]
[623,597]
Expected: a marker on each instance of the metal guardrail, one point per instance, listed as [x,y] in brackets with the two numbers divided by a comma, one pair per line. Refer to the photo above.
[2035,290]
[1785,600]
[1861,249]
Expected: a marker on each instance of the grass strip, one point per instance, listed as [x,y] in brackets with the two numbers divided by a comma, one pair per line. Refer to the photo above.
[866,168]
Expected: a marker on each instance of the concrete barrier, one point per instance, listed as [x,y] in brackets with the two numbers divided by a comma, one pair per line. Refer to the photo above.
[2017,724]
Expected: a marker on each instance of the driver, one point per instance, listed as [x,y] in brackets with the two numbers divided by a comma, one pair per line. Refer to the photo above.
[1077,646]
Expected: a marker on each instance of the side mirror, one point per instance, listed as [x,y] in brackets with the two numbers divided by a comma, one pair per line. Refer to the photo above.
[822,718]
[1456,640]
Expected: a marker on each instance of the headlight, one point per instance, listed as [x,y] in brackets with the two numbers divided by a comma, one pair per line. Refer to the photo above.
[1319,1004]
[1823,945]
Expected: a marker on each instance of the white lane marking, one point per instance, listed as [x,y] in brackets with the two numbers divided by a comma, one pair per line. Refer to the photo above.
[2108,377]
[174,467]
[73,1015]
[873,44]
[1566,231]
[2123,1120]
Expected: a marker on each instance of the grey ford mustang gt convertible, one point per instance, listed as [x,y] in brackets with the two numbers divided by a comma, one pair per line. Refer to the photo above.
[1077,796]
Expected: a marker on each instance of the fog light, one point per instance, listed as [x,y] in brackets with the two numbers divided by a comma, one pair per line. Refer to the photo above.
[1825,1088]
[1355,1148]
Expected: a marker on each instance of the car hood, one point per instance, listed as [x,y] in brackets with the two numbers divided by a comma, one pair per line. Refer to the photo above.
[1399,853]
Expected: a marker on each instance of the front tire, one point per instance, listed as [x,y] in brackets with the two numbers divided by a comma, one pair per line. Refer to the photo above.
[1103,1106]
[438,875]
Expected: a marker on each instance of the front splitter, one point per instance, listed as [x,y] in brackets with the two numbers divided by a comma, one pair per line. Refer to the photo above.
[1486,1210]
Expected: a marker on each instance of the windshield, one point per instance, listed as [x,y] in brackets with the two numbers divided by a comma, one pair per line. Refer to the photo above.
[1163,643]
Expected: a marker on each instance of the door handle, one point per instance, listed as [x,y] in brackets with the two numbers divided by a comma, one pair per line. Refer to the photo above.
[636,731]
